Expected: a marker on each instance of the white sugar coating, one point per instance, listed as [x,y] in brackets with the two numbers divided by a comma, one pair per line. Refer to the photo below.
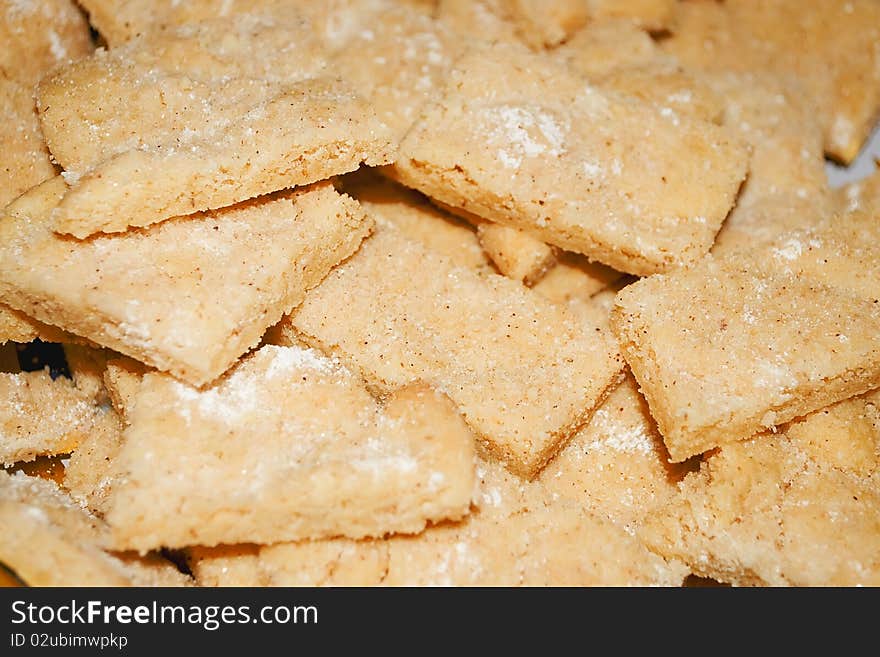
[241,393]
[632,438]
[790,250]
[524,131]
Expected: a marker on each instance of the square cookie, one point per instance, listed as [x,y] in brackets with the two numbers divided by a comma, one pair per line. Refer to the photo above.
[519,141]
[288,445]
[524,372]
[187,296]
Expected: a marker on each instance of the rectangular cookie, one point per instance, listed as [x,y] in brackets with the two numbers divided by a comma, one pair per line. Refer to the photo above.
[787,186]
[202,117]
[831,47]
[616,466]
[391,204]
[58,543]
[25,156]
[523,371]
[153,294]
[518,536]
[518,140]
[42,416]
[735,345]
[515,253]
[798,508]
[288,445]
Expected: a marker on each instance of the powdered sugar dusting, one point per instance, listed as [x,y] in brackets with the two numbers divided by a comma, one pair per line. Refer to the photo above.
[525,132]
[288,360]
[618,436]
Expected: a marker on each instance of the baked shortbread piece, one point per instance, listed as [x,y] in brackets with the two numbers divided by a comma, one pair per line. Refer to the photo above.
[122,378]
[319,456]
[398,61]
[389,203]
[39,35]
[575,277]
[57,543]
[616,466]
[518,536]
[89,475]
[833,48]
[516,253]
[518,140]
[735,345]
[25,157]
[87,366]
[800,507]
[15,326]
[616,54]
[42,416]
[524,372]
[202,117]
[187,296]
[787,186]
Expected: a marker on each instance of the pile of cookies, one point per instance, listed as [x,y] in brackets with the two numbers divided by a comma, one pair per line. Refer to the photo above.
[376,292]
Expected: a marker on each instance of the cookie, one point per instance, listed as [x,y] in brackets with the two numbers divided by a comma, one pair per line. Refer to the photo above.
[86,366]
[800,507]
[57,543]
[398,63]
[320,456]
[90,474]
[575,277]
[122,378]
[832,48]
[616,466]
[26,159]
[202,117]
[735,345]
[516,537]
[607,45]
[153,294]
[42,416]
[512,126]
[515,253]
[787,187]
[524,372]
[391,204]
[39,35]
